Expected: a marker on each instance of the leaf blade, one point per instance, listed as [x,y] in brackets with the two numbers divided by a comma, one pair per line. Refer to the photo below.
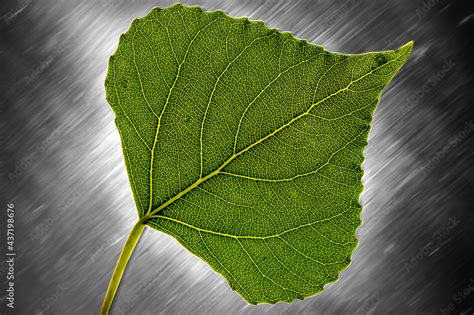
[255,162]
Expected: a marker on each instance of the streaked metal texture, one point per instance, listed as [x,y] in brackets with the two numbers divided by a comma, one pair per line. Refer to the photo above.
[63,168]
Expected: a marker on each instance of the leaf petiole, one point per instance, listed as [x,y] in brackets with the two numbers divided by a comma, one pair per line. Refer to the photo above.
[122,262]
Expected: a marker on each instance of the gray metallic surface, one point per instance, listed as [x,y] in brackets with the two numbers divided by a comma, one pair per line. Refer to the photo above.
[63,168]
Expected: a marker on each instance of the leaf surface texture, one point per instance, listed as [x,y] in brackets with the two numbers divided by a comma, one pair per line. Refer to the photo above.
[246,144]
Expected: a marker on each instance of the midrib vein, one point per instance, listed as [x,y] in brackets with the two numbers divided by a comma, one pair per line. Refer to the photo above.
[234,156]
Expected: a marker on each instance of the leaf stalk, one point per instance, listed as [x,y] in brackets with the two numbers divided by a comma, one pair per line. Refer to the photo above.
[122,262]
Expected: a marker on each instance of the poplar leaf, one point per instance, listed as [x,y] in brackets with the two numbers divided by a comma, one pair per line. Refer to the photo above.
[245,144]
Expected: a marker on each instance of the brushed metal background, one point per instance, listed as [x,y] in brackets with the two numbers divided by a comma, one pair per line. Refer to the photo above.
[62,163]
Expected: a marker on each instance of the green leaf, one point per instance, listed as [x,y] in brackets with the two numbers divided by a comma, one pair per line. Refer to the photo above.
[246,144]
